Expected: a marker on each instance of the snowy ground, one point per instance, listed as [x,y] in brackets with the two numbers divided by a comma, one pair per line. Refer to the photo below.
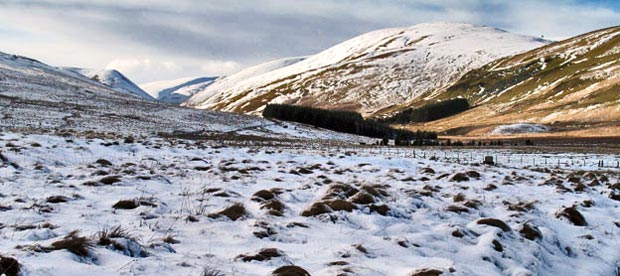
[340,213]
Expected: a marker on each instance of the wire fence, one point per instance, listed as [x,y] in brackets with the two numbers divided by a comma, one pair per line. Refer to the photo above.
[471,156]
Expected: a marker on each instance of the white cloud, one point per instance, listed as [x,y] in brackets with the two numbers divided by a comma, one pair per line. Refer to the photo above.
[159,39]
[135,65]
[213,68]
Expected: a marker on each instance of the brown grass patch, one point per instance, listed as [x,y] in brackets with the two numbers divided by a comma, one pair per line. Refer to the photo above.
[75,244]
[290,270]
[574,216]
[126,204]
[275,207]
[380,209]
[263,195]
[530,232]
[495,223]
[341,205]
[363,197]
[9,266]
[264,254]
[57,199]
[426,272]
[340,191]
[316,209]
[459,177]
[233,212]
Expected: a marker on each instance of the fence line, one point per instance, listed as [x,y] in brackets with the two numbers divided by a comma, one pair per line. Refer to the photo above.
[503,157]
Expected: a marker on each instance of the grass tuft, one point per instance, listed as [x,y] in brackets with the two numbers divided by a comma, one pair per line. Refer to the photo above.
[78,245]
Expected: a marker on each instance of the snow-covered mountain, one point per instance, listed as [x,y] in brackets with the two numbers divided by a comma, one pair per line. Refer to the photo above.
[114,79]
[216,94]
[177,91]
[372,73]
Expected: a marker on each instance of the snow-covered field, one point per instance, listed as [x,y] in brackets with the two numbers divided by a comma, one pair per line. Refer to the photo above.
[330,213]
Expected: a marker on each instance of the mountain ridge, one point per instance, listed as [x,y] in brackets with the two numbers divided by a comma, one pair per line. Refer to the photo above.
[372,71]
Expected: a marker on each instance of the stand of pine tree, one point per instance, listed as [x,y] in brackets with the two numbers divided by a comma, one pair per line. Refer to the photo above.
[342,121]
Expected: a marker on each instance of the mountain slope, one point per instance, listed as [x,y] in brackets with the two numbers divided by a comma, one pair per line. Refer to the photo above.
[35,97]
[214,93]
[177,91]
[573,82]
[373,72]
[114,79]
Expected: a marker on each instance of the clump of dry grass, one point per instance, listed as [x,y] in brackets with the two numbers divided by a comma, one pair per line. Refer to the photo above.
[574,216]
[263,195]
[495,223]
[110,180]
[119,239]
[275,207]
[290,270]
[459,177]
[129,204]
[340,191]
[233,212]
[341,205]
[490,187]
[126,204]
[363,197]
[57,199]
[9,266]
[208,271]
[78,245]
[381,209]
[264,254]
[170,239]
[426,272]
[105,237]
[530,232]
[104,163]
[458,197]
[457,209]
[316,209]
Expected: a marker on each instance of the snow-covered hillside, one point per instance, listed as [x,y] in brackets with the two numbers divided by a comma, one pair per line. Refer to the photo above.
[41,98]
[372,72]
[114,79]
[215,93]
[570,85]
[177,91]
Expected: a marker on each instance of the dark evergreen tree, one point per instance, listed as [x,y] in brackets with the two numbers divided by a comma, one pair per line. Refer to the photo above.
[342,121]
[429,112]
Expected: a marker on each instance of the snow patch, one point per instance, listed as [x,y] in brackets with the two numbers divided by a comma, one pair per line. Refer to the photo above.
[520,128]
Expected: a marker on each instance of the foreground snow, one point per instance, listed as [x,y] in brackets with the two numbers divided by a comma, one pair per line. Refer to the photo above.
[408,213]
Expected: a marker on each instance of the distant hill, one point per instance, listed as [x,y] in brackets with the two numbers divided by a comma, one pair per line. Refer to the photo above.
[177,91]
[114,79]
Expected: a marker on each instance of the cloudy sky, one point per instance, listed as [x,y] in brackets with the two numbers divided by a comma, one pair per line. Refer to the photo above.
[152,40]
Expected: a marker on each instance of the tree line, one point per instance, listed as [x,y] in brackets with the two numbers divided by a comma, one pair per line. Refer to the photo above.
[429,112]
[342,121]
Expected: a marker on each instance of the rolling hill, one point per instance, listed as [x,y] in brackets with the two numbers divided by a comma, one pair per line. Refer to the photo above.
[177,91]
[114,79]
[569,85]
[374,73]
